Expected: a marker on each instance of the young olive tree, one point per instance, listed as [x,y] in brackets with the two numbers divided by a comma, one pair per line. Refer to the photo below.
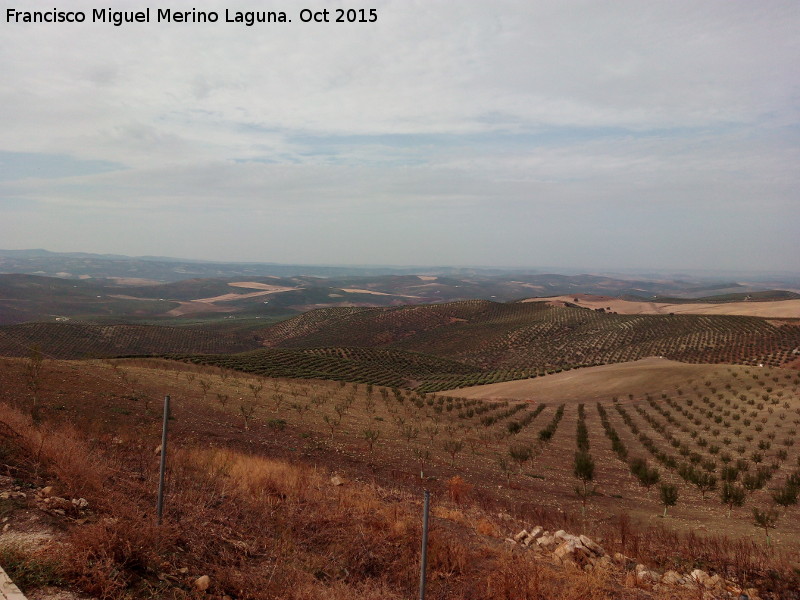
[669,496]
[765,519]
[453,447]
[732,495]
[583,469]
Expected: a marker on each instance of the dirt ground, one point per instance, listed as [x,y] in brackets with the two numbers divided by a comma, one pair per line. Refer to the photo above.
[594,383]
[778,309]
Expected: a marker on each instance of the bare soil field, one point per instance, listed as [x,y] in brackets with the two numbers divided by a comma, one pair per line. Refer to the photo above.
[255,285]
[777,309]
[194,307]
[594,383]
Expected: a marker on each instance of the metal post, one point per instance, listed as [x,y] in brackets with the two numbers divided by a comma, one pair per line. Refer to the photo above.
[163,466]
[423,569]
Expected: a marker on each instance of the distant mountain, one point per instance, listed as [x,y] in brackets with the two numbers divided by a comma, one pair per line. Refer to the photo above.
[108,266]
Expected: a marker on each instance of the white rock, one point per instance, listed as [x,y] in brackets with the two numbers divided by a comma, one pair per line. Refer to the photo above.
[699,576]
[202,583]
[546,541]
[534,535]
[519,536]
[647,576]
[595,548]
[672,578]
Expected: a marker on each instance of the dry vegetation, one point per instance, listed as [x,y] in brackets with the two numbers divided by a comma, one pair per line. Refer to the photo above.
[251,504]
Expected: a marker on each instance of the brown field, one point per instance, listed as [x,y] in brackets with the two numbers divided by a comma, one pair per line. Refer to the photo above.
[194,307]
[594,383]
[254,285]
[777,309]
[116,403]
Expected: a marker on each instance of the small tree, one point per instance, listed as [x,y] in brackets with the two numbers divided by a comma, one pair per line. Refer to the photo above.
[583,469]
[222,399]
[453,447]
[205,386]
[669,496]
[732,495]
[332,422]
[301,409]
[648,477]
[786,496]
[766,520]
[33,377]
[371,436]
[247,410]
[423,456]
[753,482]
[255,389]
[520,454]
[432,431]
[705,482]
[409,432]
[505,468]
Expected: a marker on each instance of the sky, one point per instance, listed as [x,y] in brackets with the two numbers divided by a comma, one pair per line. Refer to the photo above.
[591,135]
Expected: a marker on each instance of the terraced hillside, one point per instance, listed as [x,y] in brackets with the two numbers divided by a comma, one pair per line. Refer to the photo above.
[459,344]
[538,336]
[393,368]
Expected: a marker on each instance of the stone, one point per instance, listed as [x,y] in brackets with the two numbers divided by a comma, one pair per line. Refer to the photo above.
[58,503]
[699,576]
[157,451]
[647,576]
[519,536]
[46,491]
[202,583]
[546,541]
[565,550]
[571,550]
[561,534]
[715,582]
[337,481]
[510,541]
[672,578]
[80,503]
[593,547]
[534,535]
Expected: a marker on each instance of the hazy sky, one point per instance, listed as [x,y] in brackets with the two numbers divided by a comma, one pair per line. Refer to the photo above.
[520,133]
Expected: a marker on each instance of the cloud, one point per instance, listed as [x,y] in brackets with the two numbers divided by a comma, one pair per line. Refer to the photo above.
[438,110]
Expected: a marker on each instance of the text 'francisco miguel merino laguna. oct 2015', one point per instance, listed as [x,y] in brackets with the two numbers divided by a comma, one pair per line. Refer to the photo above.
[168,15]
